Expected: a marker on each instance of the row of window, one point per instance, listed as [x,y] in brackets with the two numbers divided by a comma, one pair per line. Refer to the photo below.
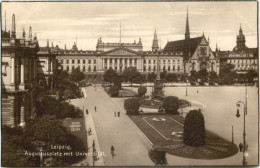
[250,61]
[78,61]
[84,68]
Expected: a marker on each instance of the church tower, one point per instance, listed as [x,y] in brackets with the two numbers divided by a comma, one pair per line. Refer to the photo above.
[187,32]
[13,35]
[241,40]
[155,46]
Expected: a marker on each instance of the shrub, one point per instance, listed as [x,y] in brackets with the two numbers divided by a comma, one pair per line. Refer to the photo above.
[131,105]
[141,91]
[158,157]
[171,104]
[194,129]
[114,91]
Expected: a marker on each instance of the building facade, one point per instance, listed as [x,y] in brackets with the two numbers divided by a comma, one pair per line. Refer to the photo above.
[47,64]
[120,56]
[19,77]
[242,57]
[196,52]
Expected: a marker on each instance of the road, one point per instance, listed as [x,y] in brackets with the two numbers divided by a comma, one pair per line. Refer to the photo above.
[131,146]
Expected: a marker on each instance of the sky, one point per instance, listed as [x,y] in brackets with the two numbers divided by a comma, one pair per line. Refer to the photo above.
[63,22]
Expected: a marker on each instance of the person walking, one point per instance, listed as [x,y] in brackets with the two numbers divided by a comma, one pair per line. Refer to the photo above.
[95,109]
[112,151]
[240,147]
[86,111]
[118,114]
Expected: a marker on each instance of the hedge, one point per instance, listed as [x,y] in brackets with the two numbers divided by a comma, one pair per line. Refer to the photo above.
[171,104]
[131,105]
[114,91]
[141,91]
[194,129]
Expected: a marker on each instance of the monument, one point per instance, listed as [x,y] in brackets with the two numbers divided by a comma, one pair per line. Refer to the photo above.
[157,94]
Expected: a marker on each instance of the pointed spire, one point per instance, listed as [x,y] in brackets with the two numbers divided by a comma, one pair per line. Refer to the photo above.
[5,21]
[216,47]
[155,46]
[187,32]
[13,27]
[23,33]
[47,43]
[30,32]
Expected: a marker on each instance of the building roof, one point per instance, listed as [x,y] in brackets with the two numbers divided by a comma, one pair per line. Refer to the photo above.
[183,46]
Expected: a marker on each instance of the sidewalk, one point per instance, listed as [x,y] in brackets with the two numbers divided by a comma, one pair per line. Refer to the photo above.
[89,123]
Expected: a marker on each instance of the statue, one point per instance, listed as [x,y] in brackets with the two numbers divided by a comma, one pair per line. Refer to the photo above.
[157,93]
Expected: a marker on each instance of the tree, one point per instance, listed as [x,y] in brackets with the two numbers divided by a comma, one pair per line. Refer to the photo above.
[132,75]
[77,75]
[213,77]
[141,91]
[251,75]
[151,77]
[193,76]
[171,77]
[171,104]
[227,75]
[114,91]
[194,129]
[110,76]
[62,110]
[47,131]
[163,76]
[203,75]
[131,106]
[158,157]
[118,81]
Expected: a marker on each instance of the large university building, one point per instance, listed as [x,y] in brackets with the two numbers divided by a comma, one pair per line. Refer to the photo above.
[120,56]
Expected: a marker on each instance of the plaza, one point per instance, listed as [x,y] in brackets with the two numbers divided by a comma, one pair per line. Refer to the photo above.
[132,145]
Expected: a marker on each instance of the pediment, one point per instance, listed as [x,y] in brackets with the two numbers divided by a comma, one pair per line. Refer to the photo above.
[121,51]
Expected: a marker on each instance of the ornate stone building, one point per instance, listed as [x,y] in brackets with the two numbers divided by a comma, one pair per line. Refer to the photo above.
[120,56]
[47,64]
[242,57]
[19,77]
[196,52]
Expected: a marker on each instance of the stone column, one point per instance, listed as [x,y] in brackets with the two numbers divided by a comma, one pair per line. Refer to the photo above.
[51,66]
[166,65]
[47,64]
[22,120]
[128,62]
[113,63]
[22,70]
[108,63]
[12,111]
[118,68]
[123,62]
[12,70]
[103,64]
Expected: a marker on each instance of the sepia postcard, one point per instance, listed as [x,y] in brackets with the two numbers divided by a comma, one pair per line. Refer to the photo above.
[129,84]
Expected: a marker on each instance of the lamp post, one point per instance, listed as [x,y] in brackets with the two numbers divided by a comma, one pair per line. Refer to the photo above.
[244,162]
[94,151]
[186,88]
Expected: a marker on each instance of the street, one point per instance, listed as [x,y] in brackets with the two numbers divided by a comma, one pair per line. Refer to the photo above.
[131,147]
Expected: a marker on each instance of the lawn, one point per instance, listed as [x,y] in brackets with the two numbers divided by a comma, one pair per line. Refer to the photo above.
[165,132]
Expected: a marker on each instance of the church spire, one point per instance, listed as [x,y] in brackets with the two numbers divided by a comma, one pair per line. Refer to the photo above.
[13,27]
[187,32]
[23,33]
[30,33]
[155,46]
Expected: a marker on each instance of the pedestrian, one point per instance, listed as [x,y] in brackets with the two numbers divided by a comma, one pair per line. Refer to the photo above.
[115,114]
[118,113]
[89,131]
[86,111]
[240,147]
[95,109]
[112,151]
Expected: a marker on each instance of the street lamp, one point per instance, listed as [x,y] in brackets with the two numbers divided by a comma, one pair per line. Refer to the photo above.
[94,151]
[244,129]
[186,87]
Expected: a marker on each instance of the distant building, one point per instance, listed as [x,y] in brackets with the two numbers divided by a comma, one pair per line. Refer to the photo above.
[47,64]
[242,57]
[19,77]
[120,56]
[196,52]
